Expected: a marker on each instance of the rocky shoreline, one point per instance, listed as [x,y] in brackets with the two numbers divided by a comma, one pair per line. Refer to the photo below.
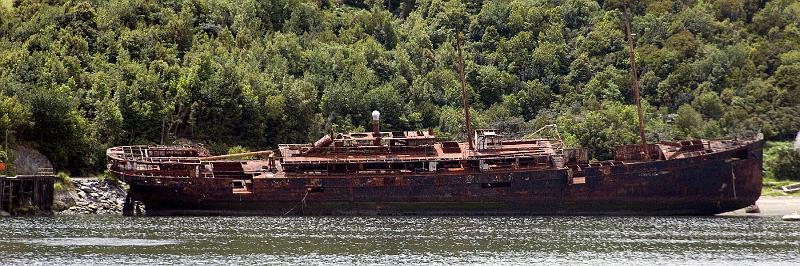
[90,196]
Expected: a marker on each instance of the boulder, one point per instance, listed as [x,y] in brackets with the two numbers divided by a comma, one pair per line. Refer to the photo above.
[27,161]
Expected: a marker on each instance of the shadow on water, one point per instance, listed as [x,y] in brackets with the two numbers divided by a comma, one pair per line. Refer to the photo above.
[392,240]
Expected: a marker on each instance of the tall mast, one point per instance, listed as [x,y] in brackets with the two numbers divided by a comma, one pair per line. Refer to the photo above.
[635,85]
[464,90]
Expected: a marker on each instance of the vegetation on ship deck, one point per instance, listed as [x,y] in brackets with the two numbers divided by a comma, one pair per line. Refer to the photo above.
[80,76]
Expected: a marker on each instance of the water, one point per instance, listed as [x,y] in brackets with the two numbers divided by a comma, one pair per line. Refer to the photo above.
[399,240]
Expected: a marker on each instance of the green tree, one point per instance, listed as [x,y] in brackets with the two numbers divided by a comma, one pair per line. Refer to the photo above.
[787,167]
[14,115]
[59,129]
[688,121]
[787,78]
[259,73]
[709,104]
[602,130]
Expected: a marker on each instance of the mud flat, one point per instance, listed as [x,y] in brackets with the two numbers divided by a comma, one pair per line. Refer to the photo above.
[771,206]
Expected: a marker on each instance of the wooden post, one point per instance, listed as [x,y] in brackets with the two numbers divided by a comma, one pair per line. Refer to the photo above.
[2,192]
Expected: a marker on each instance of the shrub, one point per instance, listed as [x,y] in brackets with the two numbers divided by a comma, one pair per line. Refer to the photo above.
[108,177]
[781,161]
[62,181]
[239,149]
[787,165]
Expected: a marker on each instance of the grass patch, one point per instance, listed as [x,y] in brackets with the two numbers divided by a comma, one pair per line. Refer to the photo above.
[772,187]
[108,177]
[63,181]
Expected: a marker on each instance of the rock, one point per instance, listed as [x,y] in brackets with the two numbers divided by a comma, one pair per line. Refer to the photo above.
[4,213]
[64,198]
[91,196]
[27,161]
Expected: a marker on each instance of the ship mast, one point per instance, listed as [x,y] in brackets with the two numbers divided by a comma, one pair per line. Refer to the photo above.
[464,91]
[635,85]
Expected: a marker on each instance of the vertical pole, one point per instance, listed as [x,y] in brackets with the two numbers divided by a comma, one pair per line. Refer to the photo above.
[2,192]
[376,132]
[36,201]
[635,85]
[464,91]
[5,149]
[163,130]
[376,127]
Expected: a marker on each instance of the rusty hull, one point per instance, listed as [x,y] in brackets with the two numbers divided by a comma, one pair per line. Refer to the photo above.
[699,178]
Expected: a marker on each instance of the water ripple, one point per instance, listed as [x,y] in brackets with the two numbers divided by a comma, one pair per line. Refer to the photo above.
[398,240]
[99,241]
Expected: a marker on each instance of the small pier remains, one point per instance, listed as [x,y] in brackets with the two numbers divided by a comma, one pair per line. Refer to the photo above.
[27,194]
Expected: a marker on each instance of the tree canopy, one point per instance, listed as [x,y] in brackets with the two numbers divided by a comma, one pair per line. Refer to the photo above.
[80,76]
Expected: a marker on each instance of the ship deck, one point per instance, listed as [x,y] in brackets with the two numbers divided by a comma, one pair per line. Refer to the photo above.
[439,157]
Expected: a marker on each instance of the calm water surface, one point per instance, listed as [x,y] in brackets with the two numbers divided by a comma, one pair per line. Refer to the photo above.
[399,240]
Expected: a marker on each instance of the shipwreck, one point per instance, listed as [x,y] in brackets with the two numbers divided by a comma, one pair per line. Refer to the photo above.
[411,173]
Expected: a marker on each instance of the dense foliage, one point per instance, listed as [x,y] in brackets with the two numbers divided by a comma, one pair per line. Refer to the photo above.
[781,162]
[79,76]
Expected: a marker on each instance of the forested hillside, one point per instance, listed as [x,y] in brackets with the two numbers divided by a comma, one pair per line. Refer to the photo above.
[79,76]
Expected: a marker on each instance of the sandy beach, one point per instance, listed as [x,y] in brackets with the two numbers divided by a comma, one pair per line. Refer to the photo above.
[772,206]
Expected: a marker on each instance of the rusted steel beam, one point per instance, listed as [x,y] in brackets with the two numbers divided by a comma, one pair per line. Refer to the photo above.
[635,85]
[234,156]
[464,92]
